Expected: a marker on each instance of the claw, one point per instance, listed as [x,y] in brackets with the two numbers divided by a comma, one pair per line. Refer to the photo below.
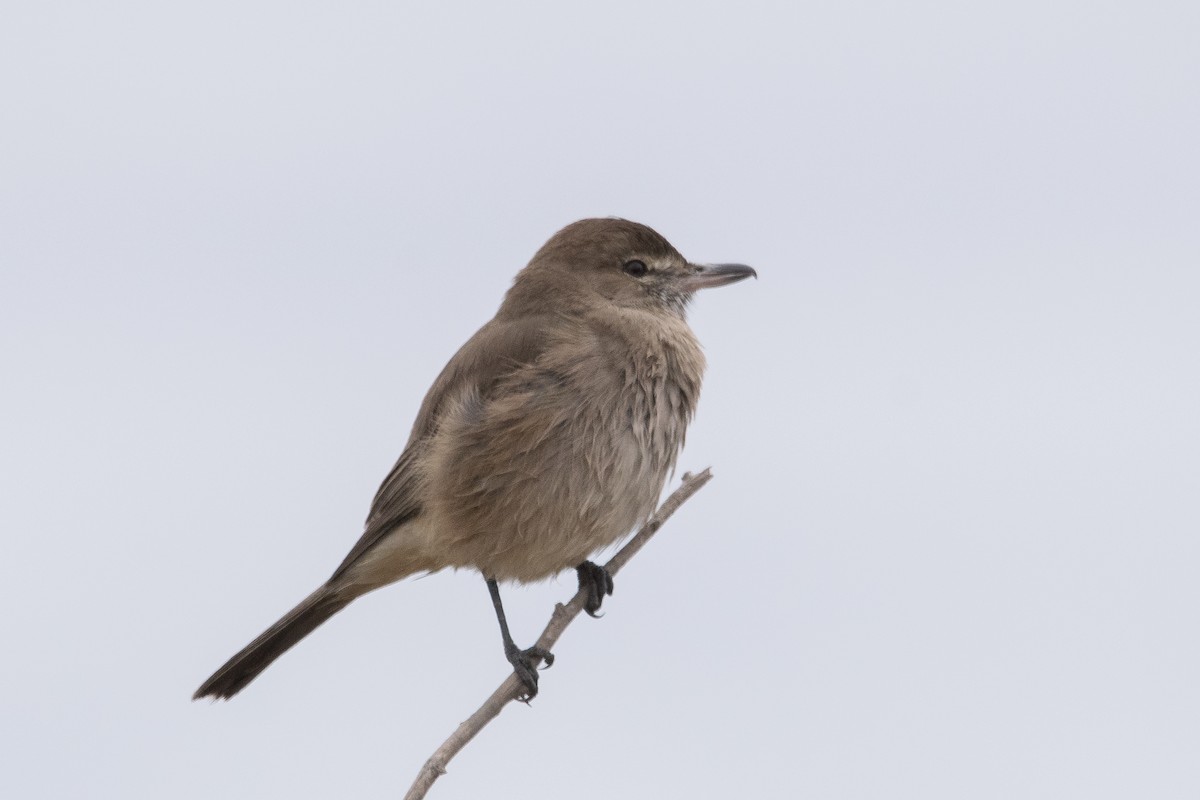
[540,652]
[522,663]
[598,583]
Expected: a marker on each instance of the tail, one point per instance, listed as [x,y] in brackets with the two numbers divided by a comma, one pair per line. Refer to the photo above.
[272,643]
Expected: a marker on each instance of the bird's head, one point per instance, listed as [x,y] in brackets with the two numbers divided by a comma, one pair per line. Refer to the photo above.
[613,261]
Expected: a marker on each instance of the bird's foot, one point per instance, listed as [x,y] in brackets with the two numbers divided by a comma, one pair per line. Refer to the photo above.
[596,580]
[522,663]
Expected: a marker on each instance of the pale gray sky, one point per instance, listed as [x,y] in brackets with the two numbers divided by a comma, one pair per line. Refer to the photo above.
[952,545]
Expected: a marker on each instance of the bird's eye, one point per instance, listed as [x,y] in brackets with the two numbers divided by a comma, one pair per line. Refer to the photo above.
[635,268]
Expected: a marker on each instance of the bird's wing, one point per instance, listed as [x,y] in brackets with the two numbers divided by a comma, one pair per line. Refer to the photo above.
[494,352]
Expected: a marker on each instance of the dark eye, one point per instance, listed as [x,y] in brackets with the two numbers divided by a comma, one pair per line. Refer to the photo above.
[635,268]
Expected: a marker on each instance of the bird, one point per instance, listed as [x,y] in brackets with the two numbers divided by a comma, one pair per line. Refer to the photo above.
[548,436]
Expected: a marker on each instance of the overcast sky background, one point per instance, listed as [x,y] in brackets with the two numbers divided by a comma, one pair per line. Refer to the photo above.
[951,549]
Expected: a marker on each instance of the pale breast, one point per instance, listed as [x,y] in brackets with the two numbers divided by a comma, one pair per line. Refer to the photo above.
[568,455]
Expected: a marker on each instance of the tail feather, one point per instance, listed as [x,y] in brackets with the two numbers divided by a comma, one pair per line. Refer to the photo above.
[272,643]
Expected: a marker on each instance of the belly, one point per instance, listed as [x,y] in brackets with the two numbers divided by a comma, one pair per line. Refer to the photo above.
[551,507]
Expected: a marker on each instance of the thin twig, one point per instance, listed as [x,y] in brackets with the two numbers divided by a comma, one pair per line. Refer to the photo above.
[562,617]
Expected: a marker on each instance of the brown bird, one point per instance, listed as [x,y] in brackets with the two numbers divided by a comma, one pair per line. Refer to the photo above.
[548,436]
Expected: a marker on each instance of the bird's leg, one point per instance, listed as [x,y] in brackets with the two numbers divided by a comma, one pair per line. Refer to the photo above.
[598,583]
[521,660]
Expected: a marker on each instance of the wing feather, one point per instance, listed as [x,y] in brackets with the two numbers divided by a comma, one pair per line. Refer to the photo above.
[497,350]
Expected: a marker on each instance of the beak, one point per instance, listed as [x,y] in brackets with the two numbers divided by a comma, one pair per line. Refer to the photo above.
[704,276]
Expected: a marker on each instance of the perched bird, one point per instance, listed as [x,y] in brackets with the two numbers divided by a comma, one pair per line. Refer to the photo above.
[548,436]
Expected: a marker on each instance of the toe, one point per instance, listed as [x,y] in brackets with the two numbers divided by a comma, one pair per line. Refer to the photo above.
[598,583]
[529,678]
[540,652]
[522,664]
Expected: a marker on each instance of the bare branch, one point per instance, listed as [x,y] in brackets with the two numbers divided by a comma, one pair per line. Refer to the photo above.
[562,617]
